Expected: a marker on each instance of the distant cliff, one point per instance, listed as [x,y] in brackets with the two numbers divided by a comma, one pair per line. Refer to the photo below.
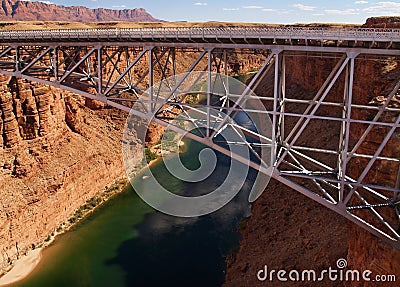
[383,22]
[39,11]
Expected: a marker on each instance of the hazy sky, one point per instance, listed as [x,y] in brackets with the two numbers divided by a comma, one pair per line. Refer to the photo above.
[265,11]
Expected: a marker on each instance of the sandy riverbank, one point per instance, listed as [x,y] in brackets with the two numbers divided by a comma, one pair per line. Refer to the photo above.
[23,267]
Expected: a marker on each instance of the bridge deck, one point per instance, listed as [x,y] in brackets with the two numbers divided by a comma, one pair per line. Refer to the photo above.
[303,36]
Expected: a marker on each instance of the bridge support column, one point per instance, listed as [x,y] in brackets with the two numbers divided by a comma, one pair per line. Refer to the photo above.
[99,70]
[209,75]
[345,128]
[275,128]
[151,78]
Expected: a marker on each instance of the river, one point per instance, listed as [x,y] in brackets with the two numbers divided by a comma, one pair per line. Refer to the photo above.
[126,243]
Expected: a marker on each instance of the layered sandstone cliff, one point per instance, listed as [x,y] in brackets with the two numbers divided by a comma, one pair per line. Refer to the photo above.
[55,153]
[41,11]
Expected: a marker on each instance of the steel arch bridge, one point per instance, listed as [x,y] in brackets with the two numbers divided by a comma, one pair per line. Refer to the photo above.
[116,66]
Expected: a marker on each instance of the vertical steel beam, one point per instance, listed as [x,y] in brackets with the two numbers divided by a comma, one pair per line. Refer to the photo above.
[209,70]
[175,71]
[346,126]
[55,63]
[99,70]
[398,179]
[17,60]
[282,95]
[342,131]
[225,59]
[276,99]
[226,70]
[151,79]
[396,195]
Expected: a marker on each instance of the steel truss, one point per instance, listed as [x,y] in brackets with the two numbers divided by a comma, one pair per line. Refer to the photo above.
[343,175]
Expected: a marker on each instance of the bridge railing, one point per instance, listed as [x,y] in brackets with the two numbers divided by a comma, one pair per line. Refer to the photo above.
[366,34]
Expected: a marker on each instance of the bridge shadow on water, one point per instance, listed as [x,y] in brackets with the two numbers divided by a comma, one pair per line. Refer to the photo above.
[181,252]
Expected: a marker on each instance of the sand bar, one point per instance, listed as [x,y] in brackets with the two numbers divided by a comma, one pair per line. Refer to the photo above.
[23,267]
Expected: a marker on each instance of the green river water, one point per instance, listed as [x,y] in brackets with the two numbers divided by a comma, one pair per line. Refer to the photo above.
[126,243]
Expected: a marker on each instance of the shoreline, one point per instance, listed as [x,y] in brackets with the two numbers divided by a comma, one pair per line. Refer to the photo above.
[24,266]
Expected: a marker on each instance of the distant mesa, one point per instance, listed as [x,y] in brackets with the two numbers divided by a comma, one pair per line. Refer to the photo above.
[39,11]
[383,22]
